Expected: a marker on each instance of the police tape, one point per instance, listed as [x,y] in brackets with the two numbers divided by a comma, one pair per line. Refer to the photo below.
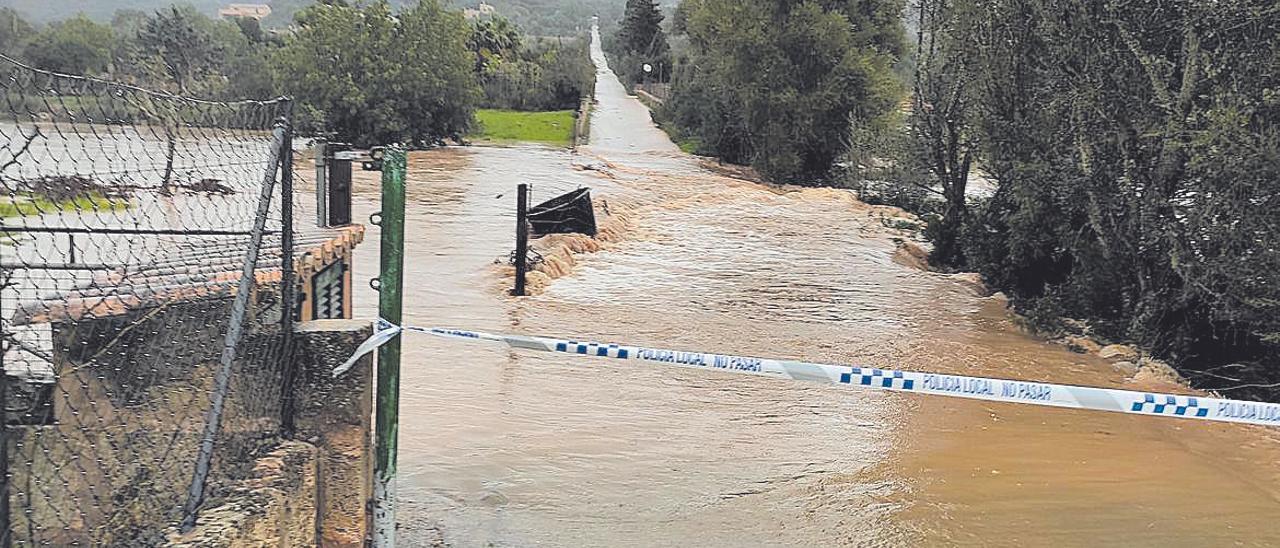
[957,386]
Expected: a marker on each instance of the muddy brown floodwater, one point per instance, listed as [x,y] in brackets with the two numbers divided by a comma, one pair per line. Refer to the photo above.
[506,448]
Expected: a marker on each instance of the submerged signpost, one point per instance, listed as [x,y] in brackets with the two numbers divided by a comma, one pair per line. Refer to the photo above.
[522,238]
[569,213]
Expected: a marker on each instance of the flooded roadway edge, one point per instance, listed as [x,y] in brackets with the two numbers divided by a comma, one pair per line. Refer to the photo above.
[956,472]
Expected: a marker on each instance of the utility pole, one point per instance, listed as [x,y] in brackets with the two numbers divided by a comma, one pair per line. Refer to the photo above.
[390,286]
[522,238]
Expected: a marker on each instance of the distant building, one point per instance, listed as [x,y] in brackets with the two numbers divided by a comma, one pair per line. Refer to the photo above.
[483,10]
[254,11]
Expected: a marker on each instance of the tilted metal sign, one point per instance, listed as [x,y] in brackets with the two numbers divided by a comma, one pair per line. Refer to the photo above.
[571,212]
[956,386]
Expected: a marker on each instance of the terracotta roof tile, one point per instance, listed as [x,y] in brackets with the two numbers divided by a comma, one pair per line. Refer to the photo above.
[198,270]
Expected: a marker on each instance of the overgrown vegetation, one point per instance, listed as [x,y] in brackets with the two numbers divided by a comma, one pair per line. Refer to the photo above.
[44,195]
[776,84]
[363,72]
[175,49]
[1136,149]
[539,17]
[521,73]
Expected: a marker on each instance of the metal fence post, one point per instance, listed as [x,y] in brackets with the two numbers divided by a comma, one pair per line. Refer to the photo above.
[288,284]
[522,238]
[6,536]
[390,286]
[231,341]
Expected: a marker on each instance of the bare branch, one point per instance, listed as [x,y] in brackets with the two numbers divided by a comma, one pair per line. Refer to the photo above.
[25,147]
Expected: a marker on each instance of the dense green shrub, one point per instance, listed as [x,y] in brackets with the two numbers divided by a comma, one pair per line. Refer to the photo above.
[373,76]
[776,84]
[1136,145]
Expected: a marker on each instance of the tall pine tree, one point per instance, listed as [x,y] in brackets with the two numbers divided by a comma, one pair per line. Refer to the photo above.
[641,33]
[641,41]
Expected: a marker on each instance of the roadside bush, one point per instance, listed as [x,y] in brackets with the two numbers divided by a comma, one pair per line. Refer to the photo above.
[372,76]
[1136,145]
[552,75]
[775,84]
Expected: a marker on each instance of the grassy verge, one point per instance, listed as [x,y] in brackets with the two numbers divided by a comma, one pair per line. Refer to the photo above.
[36,206]
[509,126]
[689,145]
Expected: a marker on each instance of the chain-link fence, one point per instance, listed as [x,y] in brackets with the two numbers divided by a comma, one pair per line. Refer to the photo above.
[141,373]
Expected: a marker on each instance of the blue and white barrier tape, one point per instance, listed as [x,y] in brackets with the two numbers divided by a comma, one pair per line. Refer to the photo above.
[957,386]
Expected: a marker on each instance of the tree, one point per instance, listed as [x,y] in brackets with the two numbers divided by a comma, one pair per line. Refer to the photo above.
[180,42]
[15,32]
[522,73]
[74,46]
[640,31]
[941,139]
[640,41]
[251,29]
[1135,143]
[774,83]
[543,75]
[246,62]
[491,39]
[371,76]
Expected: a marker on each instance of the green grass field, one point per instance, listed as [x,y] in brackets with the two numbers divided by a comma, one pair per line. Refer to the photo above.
[509,126]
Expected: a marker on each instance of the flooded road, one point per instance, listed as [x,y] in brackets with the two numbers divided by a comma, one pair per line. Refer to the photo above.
[505,448]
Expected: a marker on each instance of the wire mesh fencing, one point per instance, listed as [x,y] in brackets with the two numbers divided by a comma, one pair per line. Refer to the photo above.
[146,244]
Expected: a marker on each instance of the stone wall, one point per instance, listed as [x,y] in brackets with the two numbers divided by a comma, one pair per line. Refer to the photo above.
[312,491]
[109,461]
[275,506]
[336,415]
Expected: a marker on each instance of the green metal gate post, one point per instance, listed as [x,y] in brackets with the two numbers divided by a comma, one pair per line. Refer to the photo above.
[390,287]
